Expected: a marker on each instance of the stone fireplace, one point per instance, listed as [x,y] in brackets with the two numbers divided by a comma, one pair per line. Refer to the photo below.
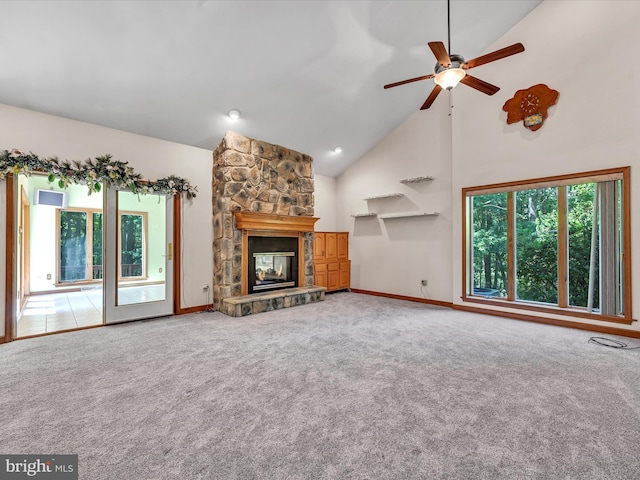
[262,218]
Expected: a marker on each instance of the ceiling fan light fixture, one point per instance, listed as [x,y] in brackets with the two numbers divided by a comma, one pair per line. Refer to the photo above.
[449,78]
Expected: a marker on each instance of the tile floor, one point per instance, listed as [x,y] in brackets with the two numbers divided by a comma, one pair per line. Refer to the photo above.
[67,310]
[140,294]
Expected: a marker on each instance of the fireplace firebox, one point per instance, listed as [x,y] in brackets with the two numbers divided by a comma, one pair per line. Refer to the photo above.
[273,263]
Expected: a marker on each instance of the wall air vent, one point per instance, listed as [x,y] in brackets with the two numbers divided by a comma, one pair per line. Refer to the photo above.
[51,198]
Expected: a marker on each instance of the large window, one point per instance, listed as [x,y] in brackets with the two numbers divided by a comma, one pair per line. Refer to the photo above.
[79,245]
[559,243]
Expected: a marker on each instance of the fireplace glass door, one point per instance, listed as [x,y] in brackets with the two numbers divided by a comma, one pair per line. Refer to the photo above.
[273,263]
[273,270]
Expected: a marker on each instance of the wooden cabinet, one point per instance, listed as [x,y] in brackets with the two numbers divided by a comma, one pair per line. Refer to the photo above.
[343,246]
[320,270]
[332,267]
[344,274]
[331,253]
[319,247]
[333,276]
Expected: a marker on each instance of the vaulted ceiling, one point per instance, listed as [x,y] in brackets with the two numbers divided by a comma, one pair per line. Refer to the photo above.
[307,75]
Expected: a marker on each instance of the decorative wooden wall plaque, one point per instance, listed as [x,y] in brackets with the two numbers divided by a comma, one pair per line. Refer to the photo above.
[530,105]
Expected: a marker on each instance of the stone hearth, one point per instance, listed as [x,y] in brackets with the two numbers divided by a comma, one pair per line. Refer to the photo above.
[254,179]
[265,302]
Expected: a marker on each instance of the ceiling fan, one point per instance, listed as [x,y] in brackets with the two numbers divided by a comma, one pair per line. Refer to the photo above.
[451,69]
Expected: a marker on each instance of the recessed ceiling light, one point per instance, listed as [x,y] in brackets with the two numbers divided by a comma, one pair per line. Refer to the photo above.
[234,114]
[337,150]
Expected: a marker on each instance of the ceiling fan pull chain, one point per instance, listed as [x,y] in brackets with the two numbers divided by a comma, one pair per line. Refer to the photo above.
[449,26]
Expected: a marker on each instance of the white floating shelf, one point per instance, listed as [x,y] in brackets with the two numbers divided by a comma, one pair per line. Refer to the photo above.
[425,178]
[407,215]
[364,215]
[388,195]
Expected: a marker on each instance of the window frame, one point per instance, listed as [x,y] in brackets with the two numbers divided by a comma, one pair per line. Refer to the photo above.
[560,181]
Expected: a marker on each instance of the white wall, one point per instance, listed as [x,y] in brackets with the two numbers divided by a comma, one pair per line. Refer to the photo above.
[325,203]
[46,136]
[393,256]
[581,49]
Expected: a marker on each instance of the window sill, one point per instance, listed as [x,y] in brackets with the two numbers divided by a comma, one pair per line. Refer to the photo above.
[143,278]
[75,283]
[549,309]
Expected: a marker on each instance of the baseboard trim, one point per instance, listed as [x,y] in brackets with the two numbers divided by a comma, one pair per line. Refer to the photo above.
[551,321]
[1,339]
[511,315]
[198,308]
[403,297]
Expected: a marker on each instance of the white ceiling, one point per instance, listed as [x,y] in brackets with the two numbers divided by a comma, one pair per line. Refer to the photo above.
[307,75]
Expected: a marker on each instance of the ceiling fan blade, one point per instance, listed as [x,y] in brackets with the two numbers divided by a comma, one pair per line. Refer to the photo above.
[432,96]
[425,77]
[440,52]
[493,56]
[479,85]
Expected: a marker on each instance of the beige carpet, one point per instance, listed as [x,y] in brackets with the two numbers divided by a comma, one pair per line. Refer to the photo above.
[355,387]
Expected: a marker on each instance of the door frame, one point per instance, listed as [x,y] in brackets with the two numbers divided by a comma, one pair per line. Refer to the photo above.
[10,254]
[25,246]
[11,212]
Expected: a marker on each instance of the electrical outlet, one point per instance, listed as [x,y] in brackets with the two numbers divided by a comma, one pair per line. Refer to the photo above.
[205,288]
[48,276]
[423,283]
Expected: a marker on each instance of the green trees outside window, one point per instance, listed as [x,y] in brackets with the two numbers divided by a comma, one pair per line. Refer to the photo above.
[490,244]
[96,252]
[80,245]
[536,222]
[131,245]
[73,246]
[580,200]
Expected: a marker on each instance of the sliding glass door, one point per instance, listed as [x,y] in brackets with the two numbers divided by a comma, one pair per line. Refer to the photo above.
[139,256]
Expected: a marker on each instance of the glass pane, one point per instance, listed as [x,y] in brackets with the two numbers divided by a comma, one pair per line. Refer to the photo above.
[273,270]
[97,246]
[73,246]
[610,248]
[537,245]
[620,231]
[580,200]
[142,248]
[489,239]
[131,246]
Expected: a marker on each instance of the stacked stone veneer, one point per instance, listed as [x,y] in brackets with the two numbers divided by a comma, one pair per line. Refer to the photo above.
[257,176]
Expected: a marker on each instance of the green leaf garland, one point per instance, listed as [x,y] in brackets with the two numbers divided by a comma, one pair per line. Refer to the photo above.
[91,173]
